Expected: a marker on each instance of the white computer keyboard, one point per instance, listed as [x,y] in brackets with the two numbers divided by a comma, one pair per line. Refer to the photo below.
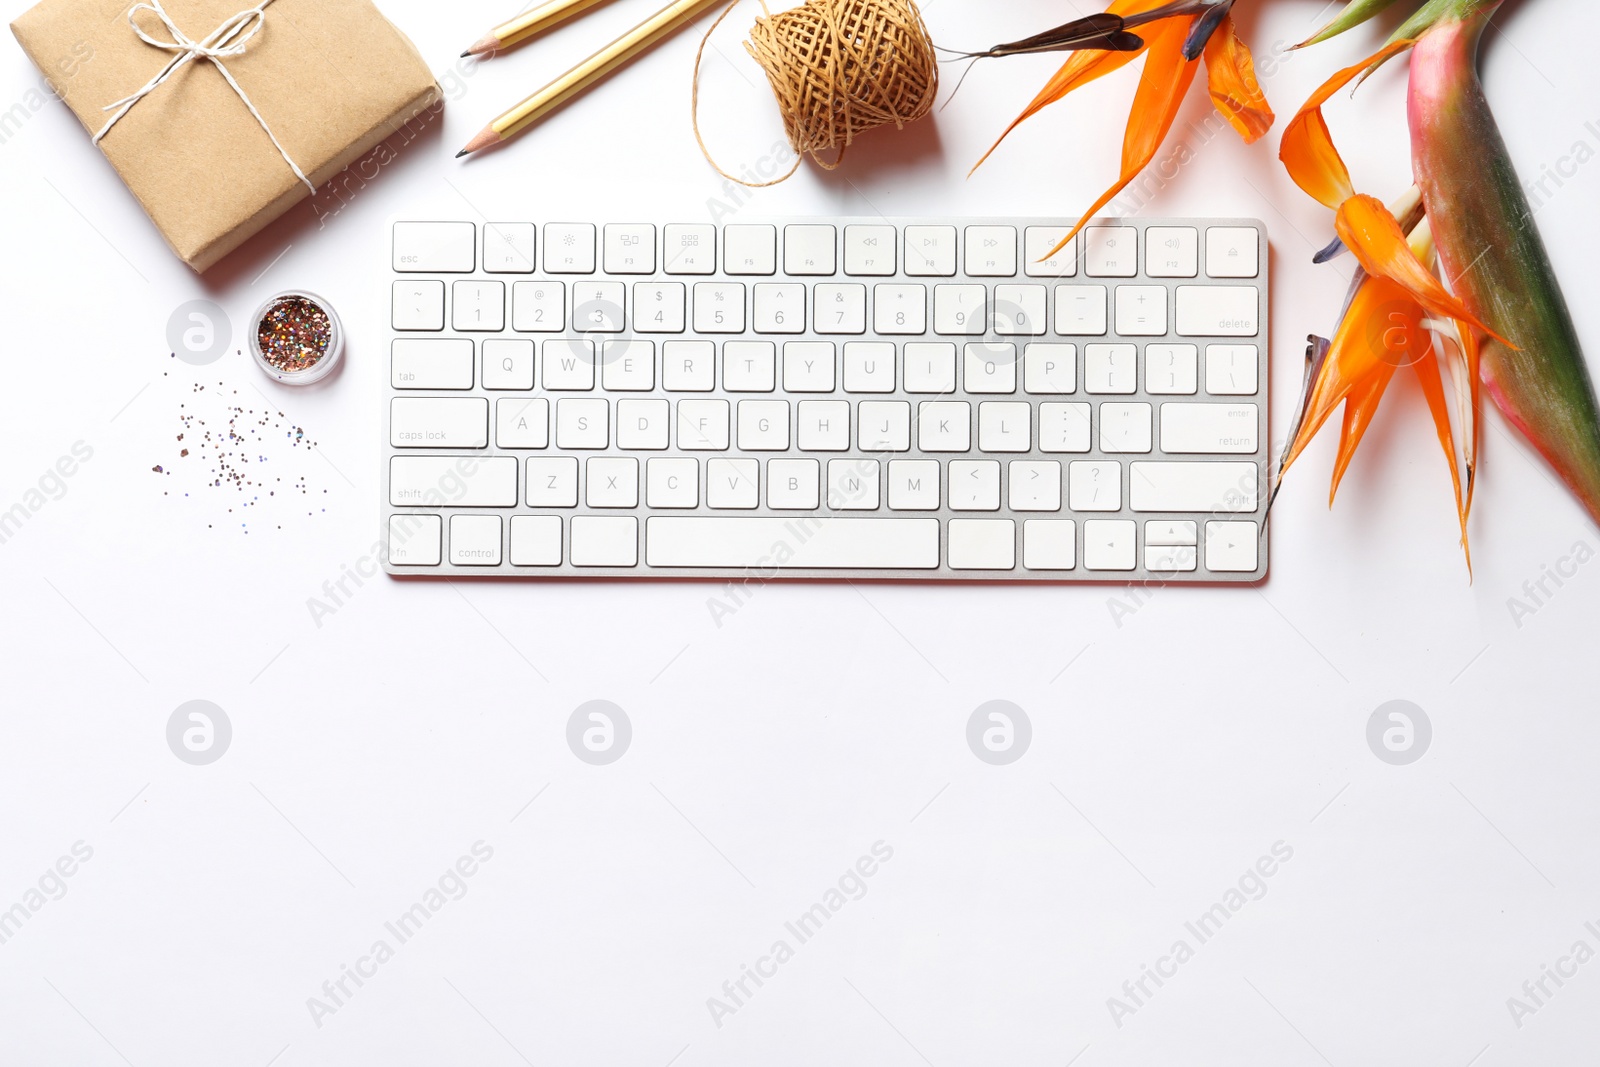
[843,398]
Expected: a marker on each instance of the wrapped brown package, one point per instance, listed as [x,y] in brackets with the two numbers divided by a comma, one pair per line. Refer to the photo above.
[330,78]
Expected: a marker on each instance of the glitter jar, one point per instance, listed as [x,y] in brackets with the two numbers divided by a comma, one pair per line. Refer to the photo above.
[296,337]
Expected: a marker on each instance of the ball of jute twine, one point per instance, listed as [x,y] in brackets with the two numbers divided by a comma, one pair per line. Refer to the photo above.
[838,68]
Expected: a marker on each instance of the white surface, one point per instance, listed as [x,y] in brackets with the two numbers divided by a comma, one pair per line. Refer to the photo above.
[778,731]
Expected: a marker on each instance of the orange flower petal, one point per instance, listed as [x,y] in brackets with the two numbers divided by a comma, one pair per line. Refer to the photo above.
[1374,235]
[1081,68]
[1359,408]
[1307,149]
[1231,79]
[1433,389]
[1162,86]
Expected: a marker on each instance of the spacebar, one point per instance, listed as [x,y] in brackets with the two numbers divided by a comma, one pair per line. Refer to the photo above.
[804,542]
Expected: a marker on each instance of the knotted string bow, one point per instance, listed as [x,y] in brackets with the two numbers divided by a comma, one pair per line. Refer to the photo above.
[227,40]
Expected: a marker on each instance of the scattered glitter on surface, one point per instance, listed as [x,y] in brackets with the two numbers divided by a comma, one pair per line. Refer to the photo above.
[294,334]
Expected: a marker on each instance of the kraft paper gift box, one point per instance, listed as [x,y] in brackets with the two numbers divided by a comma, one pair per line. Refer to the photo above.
[330,80]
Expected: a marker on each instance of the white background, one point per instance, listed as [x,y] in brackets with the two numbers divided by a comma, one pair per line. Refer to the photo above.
[1172,746]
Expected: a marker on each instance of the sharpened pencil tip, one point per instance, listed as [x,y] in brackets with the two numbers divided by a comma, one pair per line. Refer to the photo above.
[467,53]
[463,152]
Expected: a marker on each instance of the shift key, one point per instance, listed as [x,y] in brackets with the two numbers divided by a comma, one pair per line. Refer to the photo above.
[453,481]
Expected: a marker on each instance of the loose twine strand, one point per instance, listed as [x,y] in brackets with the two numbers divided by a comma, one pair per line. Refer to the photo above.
[837,68]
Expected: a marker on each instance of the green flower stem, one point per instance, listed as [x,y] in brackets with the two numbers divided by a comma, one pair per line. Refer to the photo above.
[1492,252]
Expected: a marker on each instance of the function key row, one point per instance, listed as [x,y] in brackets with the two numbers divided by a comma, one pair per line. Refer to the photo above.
[820,250]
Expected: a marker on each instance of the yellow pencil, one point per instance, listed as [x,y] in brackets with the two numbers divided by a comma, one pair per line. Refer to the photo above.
[659,26]
[529,24]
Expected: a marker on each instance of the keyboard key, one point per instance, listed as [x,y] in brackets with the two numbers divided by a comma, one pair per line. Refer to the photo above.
[1231,253]
[869,367]
[853,484]
[779,307]
[1169,559]
[914,484]
[689,366]
[1217,310]
[884,426]
[1142,310]
[808,366]
[672,483]
[643,424]
[1033,485]
[435,247]
[1037,244]
[1204,487]
[478,306]
[763,425]
[453,481]
[689,249]
[1049,544]
[1049,369]
[475,540]
[840,308]
[438,422]
[900,309]
[539,307]
[930,367]
[1231,546]
[1171,251]
[553,482]
[1171,532]
[1171,369]
[1110,251]
[1063,427]
[507,363]
[703,425]
[974,485]
[1230,370]
[598,307]
[1208,428]
[522,422]
[535,541]
[1019,310]
[1094,486]
[960,309]
[930,251]
[569,247]
[630,248]
[430,363]
[792,484]
[418,305]
[824,425]
[414,540]
[749,249]
[749,366]
[989,368]
[605,541]
[1110,368]
[613,482]
[808,249]
[991,251]
[1081,310]
[658,307]
[1005,426]
[983,544]
[869,250]
[508,247]
[733,483]
[718,307]
[835,544]
[1109,544]
[944,426]
[1124,427]
[627,366]
[582,424]
[567,364]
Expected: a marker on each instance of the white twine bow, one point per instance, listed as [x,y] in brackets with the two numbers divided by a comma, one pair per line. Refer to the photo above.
[227,40]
